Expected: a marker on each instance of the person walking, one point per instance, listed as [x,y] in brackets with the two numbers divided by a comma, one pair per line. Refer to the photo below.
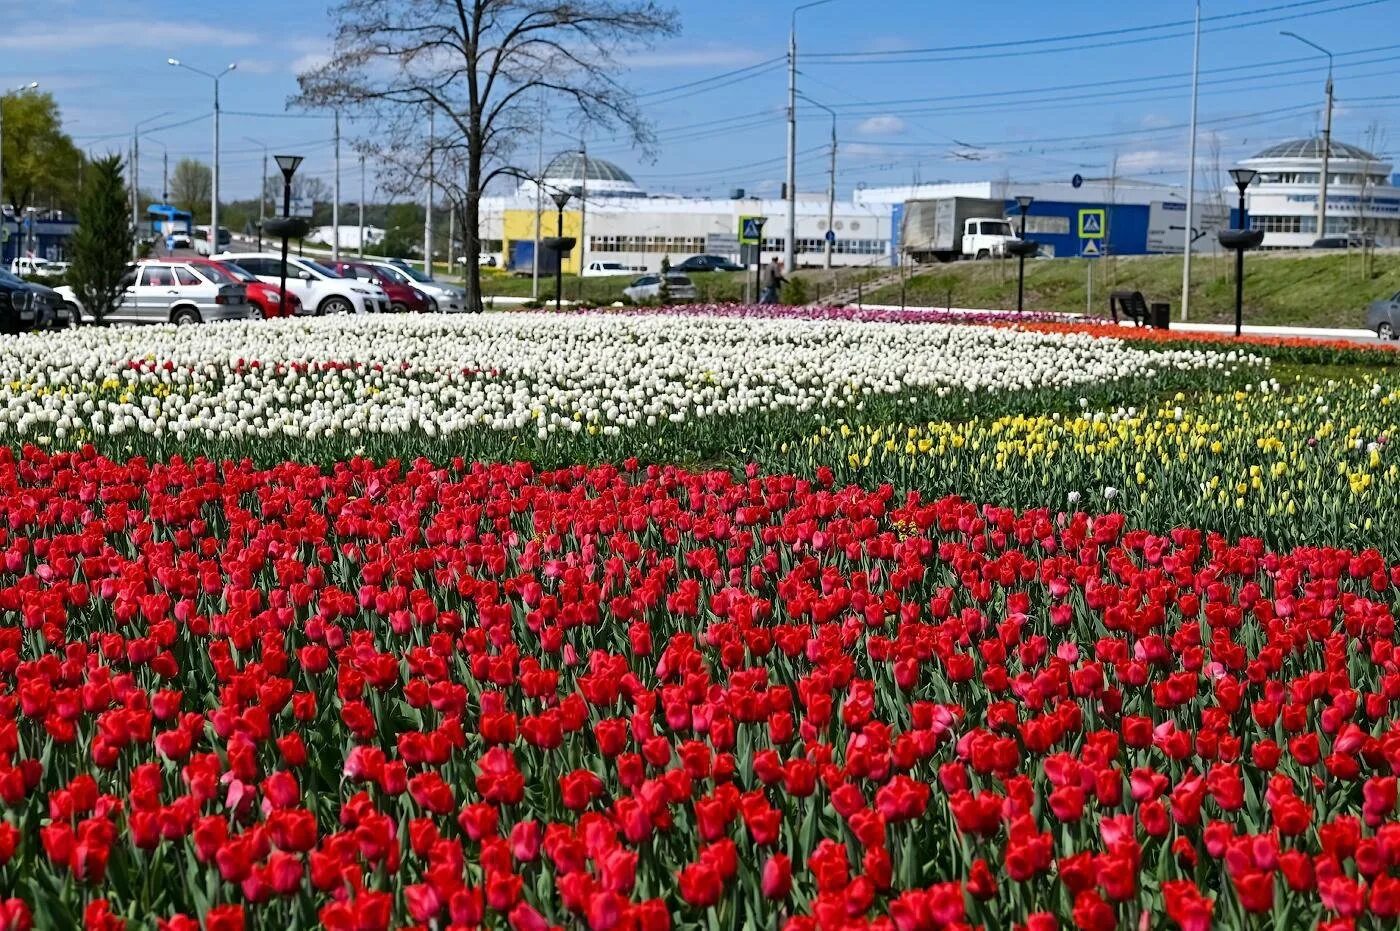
[772,280]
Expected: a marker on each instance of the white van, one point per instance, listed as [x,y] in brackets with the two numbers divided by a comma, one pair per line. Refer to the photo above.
[201,240]
[321,290]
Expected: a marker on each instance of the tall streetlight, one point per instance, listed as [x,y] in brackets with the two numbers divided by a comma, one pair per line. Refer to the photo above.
[214,197]
[1191,175]
[1241,240]
[288,165]
[1326,136]
[1023,203]
[136,179]
[32,85]
[790,252]
[262,189]
[560,198]
[831,185]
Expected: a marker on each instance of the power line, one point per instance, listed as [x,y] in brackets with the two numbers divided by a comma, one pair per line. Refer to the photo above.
[921,56]
[662,91]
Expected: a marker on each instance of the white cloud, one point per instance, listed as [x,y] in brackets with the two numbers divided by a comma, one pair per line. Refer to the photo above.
[863,150]
[259,65]
[1150,160]
[166,36]
[309,62]
[884,125]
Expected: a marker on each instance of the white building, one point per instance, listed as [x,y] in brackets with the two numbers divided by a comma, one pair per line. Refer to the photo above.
[622,223]
[1283,201]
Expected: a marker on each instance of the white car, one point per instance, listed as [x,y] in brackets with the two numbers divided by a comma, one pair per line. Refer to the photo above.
[37,267]
[448,300]
[170,292]
[600,269]
[321,290]
[648,288]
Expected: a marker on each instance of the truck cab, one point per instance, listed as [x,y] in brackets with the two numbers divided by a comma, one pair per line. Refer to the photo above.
[986,237]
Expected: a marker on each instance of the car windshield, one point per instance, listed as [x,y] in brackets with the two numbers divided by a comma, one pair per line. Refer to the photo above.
[10,279]
[218,274]
[414,274]
[319,269]
[393,273]
[238,272]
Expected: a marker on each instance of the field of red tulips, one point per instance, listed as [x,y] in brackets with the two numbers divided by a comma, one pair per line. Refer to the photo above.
[457,695]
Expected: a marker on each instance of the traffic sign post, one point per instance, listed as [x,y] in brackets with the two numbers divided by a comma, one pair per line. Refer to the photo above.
[751,235]
[831,237]
[1077,181]
[1091,248]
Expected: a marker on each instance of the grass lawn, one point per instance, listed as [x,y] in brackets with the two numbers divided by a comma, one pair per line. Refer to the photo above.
[1280,288]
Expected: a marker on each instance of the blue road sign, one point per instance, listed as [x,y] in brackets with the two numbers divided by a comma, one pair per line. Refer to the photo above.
[1091,224]
[831,236]
[751,229]
[1091,248]
[1077,181]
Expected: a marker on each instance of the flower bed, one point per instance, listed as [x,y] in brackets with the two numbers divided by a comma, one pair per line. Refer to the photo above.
[352,379]
[419,695]
[862,314]
[1290,348]
[1312,463]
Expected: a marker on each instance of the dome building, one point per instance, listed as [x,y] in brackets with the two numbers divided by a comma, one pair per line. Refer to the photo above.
[1283,201]
[566,173]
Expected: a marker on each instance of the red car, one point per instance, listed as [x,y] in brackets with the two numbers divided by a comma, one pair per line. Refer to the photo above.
[261,295]
[403,298]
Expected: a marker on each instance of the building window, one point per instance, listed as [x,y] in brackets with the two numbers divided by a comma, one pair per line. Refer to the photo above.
[1270,224]
[1045,226]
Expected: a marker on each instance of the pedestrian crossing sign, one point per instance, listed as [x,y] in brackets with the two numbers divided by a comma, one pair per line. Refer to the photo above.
[751,230]
[1091,249]
[1091,224]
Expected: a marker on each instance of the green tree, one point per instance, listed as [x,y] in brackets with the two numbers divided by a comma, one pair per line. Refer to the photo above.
[191,186]
[102,244]
[40,162]
[403,231]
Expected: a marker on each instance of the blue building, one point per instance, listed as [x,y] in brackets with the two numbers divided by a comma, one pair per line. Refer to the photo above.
[38,234]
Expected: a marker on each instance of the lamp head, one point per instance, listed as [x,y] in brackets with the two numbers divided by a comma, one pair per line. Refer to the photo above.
[560,198]
[1024,201]
[173,61]
[288,164]
[1243,177]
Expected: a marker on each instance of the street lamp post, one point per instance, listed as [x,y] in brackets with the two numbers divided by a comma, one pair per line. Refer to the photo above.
[214,196]
[1326,136]
[1023,202]
[831,185]
[1241,240]
[288,164]
[32,85]
[560,198]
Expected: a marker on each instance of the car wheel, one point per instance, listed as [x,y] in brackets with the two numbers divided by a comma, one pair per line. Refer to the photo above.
[984,255]
[334,305]
[398,308]
[74,317]
[1385,331]
[185,316]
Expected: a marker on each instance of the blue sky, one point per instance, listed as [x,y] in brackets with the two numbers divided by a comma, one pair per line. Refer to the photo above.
[1034,111]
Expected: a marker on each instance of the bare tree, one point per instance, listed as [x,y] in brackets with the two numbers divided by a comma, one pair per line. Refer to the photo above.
[1375,139]
[479,67]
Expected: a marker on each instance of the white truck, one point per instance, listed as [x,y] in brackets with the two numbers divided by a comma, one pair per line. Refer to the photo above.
[32,267]
[952,228]
[601,269]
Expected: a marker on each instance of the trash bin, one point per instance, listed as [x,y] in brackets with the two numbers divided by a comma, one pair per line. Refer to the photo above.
[1162,316]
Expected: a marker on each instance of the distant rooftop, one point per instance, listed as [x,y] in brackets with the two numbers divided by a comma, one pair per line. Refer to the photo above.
[1312,148]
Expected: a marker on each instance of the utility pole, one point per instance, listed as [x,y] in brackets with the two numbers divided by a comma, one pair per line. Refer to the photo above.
[790,249]
[214,192]
[1191,177]
[1326,136]
[335,205]
[362,206]
[165,176]
[583,210]
[136,182]
[539,207]
[428,223]
[451,234]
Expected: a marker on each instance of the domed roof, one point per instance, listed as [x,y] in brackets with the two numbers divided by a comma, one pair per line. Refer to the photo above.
[569,166]
[1312,148]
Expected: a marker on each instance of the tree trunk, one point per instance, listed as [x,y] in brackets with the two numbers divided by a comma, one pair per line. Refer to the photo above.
[471,233]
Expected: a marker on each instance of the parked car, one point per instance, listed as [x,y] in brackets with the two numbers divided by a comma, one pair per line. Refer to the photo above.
[447,299]
[322,290]
[37,267]
[598,269]
[265,297]
[707,263]
[403,297]
[648,288]
[201,240]
[180,239]
[485,260]
[171,292]
[1383,316]
[23,305]
[1354,240]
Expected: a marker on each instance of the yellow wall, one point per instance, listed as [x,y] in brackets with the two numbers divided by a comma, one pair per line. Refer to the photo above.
[520,224]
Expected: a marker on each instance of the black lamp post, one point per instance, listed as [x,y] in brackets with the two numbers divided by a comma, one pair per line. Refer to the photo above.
[1240,240]
[288,164]
[1024,202]
[560,198]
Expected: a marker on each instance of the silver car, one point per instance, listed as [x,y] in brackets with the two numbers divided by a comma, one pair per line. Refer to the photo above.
[1383,316]
[648,288]
[445,298]
[171,292]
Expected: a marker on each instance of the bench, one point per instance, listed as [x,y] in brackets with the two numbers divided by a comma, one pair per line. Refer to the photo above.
[1131,303]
